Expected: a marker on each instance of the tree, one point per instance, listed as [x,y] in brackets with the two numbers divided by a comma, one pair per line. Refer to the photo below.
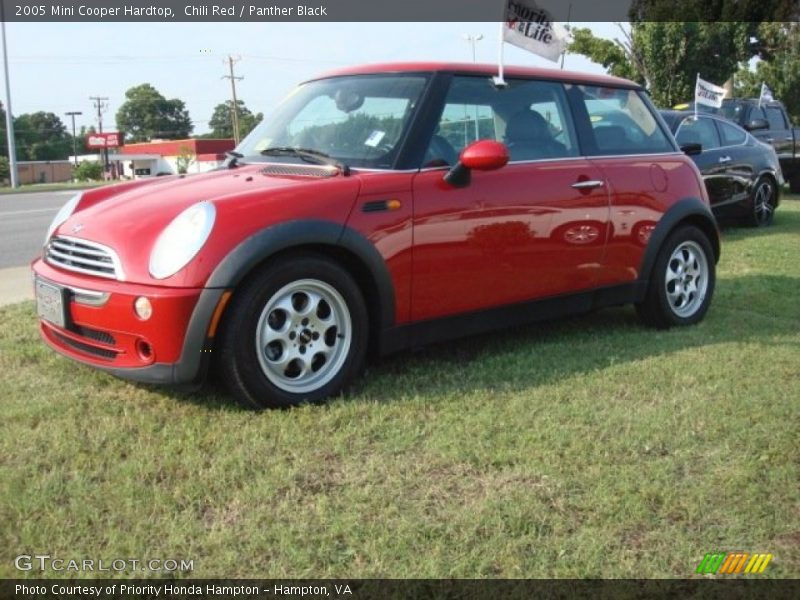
[4,141]
[80,139]
[146,115]
[712,11]
[616,56]
[667,56]
[221,122]
[779,68]
[41,136]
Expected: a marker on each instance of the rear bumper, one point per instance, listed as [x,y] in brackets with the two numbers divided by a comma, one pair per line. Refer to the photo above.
[102,330]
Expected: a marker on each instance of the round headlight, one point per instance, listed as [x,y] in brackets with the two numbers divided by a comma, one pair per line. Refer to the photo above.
[181,240]
[62,215]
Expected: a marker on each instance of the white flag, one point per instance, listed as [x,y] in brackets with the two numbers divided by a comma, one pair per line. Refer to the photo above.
[766,95]
[708,93]
[531,28]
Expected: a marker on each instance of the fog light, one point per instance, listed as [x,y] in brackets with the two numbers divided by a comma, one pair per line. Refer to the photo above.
[144,350]
[143,308]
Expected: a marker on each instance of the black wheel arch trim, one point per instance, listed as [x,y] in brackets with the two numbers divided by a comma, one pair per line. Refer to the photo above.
[687,209]
[308,232]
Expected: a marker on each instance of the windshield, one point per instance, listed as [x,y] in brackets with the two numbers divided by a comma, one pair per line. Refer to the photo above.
[356,120]
[732,110]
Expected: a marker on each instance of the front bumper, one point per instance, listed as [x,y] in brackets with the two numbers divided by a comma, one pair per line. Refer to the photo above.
[102,330]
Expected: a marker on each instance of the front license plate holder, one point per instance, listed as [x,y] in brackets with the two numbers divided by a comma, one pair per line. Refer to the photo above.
[51,303]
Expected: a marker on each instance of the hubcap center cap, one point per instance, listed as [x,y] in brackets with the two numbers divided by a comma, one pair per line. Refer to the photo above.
[304,337]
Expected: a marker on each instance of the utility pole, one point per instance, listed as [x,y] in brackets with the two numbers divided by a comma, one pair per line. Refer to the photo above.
[12,145]
[101,104]
[73,114]
[232,60]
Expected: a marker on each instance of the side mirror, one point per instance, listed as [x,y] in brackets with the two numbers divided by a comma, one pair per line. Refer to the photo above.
[692,149]
[483,155]
[757,124]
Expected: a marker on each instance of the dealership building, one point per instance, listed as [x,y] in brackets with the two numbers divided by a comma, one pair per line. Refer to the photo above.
[166,157]
[161,157]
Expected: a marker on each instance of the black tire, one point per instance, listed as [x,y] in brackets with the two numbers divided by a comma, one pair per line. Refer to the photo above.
[763,201]
[283,290]
[672,303]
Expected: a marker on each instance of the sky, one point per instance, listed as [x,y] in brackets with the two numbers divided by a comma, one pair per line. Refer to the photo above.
[56,67]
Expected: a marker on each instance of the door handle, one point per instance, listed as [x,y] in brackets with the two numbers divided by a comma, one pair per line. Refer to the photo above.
[770,140]
[789,138]
[588,185]
[724,159]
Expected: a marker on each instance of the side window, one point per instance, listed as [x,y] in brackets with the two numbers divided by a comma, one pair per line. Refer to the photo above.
[461,124]
[538,125]
[622,123]
[698,131]
[531,117]
[757,113]
[731,135]
[775,118]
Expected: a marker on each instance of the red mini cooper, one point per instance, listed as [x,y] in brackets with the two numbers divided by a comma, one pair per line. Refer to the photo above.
[381,207]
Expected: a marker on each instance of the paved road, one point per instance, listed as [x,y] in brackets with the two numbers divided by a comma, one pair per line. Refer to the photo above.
[24,219]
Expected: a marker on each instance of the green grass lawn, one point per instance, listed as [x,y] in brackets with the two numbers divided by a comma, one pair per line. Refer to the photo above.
[53,187]
[590,447]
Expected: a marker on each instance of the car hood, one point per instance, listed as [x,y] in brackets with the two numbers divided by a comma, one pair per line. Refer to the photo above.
[129,217]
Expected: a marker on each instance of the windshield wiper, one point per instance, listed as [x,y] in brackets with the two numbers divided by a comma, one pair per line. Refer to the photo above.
[233,159]
[307,154]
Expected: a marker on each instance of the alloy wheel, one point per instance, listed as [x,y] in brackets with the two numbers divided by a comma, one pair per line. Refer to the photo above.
[303,336]
[686,279]
[763,204]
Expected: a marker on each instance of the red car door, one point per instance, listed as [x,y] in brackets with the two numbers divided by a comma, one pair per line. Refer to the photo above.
[522,232]
[532,229]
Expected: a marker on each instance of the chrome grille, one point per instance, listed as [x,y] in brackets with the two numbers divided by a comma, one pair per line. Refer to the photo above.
[83,256]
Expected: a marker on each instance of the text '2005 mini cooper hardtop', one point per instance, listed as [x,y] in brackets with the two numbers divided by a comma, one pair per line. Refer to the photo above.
[382,207]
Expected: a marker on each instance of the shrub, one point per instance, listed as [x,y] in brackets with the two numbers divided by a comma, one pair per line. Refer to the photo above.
[88,171]
[5,172]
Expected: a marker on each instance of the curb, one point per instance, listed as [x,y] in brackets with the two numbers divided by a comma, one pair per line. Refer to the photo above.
[15,285]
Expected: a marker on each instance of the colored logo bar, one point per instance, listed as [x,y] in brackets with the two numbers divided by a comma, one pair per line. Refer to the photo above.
[732,563]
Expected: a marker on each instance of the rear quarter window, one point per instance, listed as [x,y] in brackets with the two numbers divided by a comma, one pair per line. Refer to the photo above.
[731,135]
[698,131]
[775,118]
[622,123]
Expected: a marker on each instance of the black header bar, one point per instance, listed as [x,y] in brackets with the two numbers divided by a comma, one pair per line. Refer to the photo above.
[376,10]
